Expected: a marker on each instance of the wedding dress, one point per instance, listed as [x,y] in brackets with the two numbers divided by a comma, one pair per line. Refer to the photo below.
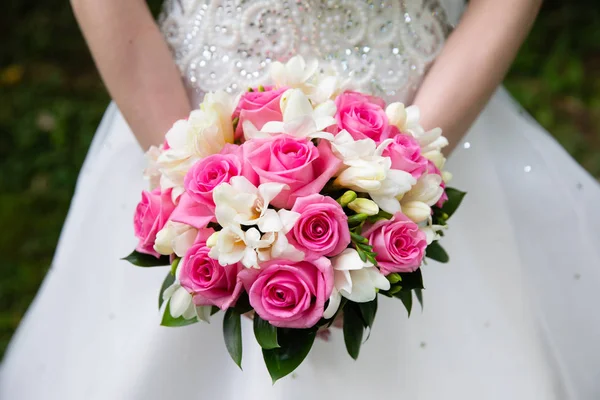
[512,316]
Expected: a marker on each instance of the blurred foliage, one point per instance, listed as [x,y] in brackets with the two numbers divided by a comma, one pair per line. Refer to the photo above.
[52,101]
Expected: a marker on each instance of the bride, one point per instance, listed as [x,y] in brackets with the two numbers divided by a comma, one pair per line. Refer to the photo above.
[513,316]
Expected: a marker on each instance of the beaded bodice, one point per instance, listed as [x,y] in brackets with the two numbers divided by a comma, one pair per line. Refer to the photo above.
[384,46]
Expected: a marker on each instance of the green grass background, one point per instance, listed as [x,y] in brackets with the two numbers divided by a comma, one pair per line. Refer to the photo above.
[51,100]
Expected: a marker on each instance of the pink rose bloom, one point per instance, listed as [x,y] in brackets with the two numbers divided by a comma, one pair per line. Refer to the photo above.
[362,116]
[196,206]
[258,108]
[432,169]
[213,170]
[322,229]
[151,215]
[399,244]
[405,154]
[209,283]
[296,162]
[290,294]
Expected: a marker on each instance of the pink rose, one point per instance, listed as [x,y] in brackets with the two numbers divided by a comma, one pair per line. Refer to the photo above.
[196,206]
[322,229]
[362,116]
[432,169]
[259,108]
[151,215]
[405,154]
[213,170]
[296,162]
[288,294]
[209,283]
[399,244]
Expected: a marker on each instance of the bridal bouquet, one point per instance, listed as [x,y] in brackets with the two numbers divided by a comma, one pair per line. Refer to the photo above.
[297,204]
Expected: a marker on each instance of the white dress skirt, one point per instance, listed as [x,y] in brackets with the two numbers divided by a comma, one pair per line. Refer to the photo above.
[512,316]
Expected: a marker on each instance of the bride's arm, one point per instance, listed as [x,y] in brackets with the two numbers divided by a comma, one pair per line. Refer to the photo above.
[135,64]
[473,63]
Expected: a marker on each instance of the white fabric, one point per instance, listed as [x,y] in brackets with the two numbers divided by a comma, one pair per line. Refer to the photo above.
[512,316]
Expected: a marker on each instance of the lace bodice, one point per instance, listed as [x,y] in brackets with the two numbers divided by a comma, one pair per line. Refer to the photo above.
[384,46]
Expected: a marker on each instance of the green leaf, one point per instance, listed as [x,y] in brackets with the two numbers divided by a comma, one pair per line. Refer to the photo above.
[294,347]
[361,254]
[169,279]
[174,266]
[436,252]
[368,312]
[455,197]
[265,333]
[147,260]
[242,305]
[358,238]
[412,280]
[419,294]
[406,297]
[214,310]
[168,320]
[232,333]
[353,329]
[357,219]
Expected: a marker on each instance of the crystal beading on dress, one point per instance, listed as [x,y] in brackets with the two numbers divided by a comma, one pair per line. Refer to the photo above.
[385,46]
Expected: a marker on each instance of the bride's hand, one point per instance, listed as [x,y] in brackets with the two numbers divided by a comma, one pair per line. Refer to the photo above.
[135,64]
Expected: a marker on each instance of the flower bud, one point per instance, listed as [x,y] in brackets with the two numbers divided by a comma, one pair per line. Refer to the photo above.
[175,238]
[364,206]
[347,198]
[417,211]
[436,157]
[446,176]
[396,114]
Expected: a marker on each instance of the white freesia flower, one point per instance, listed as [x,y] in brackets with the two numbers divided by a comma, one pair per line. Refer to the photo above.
[152,172]
[181,304]
[300,119]
[364,206]
[296,73]
[279,247]
[355,280]
[406,119]
[240,202]
[436,157]
[204,133]
[427,190]
[446,176]
[176,238]
[431,232]
[364,175]
[233,245]
[366,170]
[395,185]
[431,140]
[328,84]
[417,211]
[347,149]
